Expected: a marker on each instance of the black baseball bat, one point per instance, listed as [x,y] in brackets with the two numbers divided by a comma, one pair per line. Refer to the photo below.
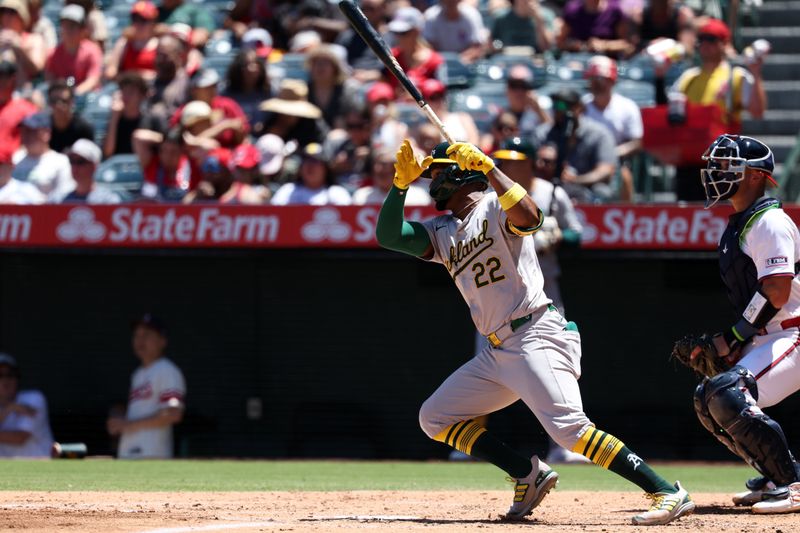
[373,39]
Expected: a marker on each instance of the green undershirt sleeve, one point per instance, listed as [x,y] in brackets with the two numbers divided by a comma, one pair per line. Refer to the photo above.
[397,234]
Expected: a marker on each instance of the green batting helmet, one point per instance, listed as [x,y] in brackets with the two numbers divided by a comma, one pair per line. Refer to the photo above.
[515,149]
[450,178]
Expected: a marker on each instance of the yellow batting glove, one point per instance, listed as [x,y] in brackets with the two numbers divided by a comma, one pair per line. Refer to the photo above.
[470,157]
[408,167]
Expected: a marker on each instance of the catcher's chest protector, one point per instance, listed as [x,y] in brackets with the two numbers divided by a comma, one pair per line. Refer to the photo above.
[736,268]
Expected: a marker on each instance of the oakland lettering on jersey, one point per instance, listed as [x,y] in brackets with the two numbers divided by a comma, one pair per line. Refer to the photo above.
[468,249]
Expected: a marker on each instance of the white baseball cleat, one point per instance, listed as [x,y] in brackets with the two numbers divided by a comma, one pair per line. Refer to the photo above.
[790,503]
[666,507]
[759,489]
[531,490]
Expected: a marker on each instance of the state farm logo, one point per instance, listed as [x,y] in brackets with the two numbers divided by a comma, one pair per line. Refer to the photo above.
[326,225]
[648,227]
[81,224]
[589,231]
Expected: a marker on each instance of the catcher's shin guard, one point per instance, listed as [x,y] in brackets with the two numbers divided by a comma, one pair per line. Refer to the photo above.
[708,422]
[731,400]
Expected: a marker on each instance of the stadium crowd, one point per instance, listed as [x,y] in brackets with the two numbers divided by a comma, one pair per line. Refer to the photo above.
[269,101]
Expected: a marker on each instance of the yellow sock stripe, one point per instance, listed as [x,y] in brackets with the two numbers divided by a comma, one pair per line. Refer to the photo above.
[583,441]
[613,449]
[594,446]
[469,437]
[597,450]
[461,435]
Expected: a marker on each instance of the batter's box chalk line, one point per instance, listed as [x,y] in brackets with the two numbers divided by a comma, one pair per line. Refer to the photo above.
[215,527]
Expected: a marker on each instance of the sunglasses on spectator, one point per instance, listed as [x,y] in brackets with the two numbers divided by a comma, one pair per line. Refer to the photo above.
[138,19]
[705,38]
[546,161]
[355,125]
[57,100]
[78,161]
[518,85]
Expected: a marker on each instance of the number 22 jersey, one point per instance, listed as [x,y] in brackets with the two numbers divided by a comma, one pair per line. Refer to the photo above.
[496,270]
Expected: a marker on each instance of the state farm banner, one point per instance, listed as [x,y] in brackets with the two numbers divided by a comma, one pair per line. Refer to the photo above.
[632,227]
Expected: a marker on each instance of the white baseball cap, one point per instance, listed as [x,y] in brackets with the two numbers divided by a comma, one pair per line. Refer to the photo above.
[87,150]
[271,148]
[73,12]
[405,19]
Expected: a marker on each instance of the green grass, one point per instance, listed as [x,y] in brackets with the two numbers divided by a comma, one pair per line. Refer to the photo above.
[110,475]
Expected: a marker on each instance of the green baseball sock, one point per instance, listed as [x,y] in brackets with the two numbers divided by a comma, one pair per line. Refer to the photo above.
[471,438]
[605,450]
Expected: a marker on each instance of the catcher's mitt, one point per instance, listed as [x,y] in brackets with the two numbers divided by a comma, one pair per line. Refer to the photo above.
[707,363]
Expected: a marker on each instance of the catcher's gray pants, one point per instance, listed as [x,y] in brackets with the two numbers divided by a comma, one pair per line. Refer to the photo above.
[539,363]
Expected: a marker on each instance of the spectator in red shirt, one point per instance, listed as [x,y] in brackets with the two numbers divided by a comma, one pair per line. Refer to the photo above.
[76,57]
[12,110]
[165,165]
[418,59]
[228,120]
[136,49]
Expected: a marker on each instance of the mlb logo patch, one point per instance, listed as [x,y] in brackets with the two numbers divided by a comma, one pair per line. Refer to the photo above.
[777,261]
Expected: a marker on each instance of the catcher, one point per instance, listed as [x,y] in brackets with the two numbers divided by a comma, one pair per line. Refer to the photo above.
[486,244]
[754,363]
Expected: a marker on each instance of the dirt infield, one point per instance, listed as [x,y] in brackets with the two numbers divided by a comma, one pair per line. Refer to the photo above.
[155,512]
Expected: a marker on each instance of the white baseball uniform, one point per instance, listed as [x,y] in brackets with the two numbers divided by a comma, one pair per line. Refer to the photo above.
[773,243]
[499,277]
[40,443]
[153,388]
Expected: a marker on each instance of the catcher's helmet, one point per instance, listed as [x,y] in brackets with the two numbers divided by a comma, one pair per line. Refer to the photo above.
[450,178]
[728,157]
[515,149]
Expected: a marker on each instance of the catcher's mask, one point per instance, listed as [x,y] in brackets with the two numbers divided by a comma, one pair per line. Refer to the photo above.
[450,178]
[728,157]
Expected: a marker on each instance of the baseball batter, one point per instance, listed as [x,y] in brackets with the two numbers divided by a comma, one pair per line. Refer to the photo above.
[486,245]
[759,258]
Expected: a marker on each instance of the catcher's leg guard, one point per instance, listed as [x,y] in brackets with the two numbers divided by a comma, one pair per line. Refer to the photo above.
[708,422]
[731,400]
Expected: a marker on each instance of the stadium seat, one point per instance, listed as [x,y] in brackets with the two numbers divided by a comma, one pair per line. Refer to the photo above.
[120,173]
[641,92]
[453,73]
[495,69]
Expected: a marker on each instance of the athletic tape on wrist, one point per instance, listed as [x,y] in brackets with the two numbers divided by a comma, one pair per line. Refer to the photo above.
[512,196]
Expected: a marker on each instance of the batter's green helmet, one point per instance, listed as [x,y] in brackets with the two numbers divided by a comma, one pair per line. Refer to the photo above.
[450,178]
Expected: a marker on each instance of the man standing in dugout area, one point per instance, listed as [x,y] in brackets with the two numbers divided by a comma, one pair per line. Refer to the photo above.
[486,244]
[754,363]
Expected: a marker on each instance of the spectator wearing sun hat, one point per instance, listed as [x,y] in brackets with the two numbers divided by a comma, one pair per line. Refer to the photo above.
[76,58]
[28,49]
[136,49]
[290,115]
